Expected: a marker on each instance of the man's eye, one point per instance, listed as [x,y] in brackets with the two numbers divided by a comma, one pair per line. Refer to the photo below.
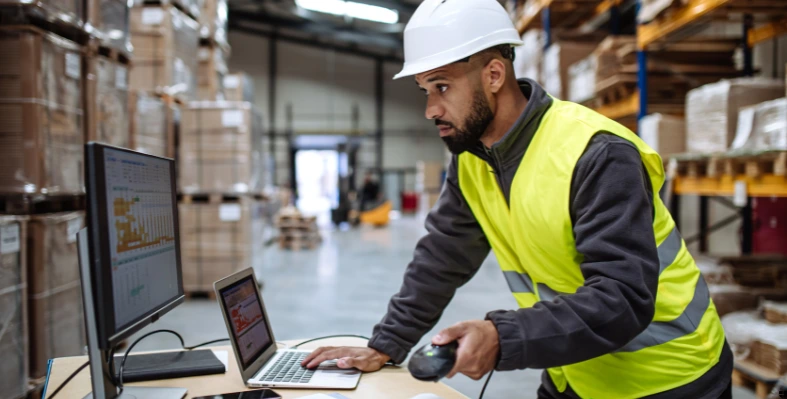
[442,88]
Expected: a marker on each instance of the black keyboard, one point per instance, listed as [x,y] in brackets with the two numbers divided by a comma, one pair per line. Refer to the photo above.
[288,369]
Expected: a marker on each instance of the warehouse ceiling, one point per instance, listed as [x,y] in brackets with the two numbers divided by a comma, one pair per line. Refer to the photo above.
[287,20]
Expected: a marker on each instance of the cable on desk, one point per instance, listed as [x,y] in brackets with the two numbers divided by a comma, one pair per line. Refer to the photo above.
[481,396]
[70,377]
[329,336]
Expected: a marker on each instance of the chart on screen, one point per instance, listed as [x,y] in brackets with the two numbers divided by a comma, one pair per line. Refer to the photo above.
[142,232]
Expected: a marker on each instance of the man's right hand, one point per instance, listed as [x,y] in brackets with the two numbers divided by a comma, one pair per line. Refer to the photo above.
[347,357]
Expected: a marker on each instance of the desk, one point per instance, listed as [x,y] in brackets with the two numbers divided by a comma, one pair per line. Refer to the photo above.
[390,382]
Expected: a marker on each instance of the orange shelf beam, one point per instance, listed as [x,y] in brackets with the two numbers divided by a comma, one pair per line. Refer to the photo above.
[763,186]
[659,28]
[766,32]
[626,107]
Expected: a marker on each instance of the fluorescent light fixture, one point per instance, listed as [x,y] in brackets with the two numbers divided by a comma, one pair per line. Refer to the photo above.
[351,9]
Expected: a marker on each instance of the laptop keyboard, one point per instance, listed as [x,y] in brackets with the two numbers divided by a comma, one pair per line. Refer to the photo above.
[288,369]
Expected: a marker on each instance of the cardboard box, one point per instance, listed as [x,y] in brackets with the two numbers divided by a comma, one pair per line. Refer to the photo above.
[153,121]
[213,19]
[557,58]
[57,325]
[220,149]
[41,131]
[212,69]
[166,42]
[238,87]
[108,20]
[106,105]
[429,176]
[712,110]
[219,239]
[762,127]
[664,133]
[13,308]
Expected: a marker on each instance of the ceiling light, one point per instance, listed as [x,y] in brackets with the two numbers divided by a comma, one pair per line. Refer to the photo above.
[351,9]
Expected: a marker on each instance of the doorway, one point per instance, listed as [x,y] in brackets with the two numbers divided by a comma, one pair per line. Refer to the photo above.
[317,179]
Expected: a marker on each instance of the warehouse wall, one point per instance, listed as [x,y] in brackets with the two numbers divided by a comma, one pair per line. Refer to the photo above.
[323,86]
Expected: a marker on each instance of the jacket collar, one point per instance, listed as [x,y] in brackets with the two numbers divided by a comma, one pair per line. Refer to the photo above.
[515,142]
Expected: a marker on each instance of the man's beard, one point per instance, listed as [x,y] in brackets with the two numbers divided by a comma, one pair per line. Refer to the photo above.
[474,127]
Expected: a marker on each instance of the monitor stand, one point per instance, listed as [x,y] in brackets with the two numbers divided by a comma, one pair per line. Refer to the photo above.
[103,386]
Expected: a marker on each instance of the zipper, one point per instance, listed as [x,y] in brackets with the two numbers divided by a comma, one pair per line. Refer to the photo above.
[497,169]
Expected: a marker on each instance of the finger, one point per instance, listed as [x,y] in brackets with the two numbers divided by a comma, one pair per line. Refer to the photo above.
[353,362]
[314,354]
[327,355]
[449,334]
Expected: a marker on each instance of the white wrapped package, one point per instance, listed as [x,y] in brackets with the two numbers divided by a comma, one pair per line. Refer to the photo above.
[650,9]
[712,110]
[664,133]
[762,127]
[582,80]
[529,55]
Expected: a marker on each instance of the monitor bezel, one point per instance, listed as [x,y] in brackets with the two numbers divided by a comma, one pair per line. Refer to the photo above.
[101,277]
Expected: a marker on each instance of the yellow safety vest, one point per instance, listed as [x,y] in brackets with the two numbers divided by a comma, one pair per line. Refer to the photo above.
[534,244]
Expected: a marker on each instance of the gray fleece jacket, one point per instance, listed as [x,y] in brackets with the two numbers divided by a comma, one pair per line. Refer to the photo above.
[612,216]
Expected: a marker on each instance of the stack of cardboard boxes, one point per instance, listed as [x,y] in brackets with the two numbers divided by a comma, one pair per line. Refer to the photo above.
[214,50]
[13,307]
[429,177]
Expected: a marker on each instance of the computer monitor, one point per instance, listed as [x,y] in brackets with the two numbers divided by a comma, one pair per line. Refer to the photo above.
[132,218]
[129,254]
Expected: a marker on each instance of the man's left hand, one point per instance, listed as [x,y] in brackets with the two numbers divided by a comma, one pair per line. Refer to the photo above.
[478,347]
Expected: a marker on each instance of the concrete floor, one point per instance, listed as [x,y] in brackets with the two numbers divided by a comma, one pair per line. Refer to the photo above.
[343,288]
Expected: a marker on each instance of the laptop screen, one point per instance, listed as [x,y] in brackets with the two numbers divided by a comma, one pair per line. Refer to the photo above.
[244,310]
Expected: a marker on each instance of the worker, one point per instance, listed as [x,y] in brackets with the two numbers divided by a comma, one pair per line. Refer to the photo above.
[370,192]
[611,303]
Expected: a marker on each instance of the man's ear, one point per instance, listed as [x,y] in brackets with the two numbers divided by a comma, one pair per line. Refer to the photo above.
[495,75]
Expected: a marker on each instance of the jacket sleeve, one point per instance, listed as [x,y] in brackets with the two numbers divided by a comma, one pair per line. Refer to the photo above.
[445,259]
[612,214]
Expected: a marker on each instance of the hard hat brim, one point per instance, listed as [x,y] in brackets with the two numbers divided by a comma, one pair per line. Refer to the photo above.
[415,68]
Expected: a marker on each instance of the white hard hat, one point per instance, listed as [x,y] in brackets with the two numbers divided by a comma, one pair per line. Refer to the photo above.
[444,31]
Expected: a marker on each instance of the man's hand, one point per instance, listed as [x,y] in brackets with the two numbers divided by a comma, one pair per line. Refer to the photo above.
[478,347]
[364,359]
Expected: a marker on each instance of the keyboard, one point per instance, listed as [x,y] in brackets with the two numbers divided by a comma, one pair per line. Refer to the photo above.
[288,369]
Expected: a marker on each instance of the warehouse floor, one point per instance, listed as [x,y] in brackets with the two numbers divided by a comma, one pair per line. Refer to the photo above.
[343,288]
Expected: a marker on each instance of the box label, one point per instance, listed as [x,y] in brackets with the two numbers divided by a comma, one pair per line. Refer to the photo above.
[121,78]
[74,226]
[231,82]
[203,54]
[229,212]
[232,118]
[73,65]
[9,239]
[152,16]
[740,196]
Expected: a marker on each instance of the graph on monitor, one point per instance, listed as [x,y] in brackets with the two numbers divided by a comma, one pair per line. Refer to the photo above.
[141,233]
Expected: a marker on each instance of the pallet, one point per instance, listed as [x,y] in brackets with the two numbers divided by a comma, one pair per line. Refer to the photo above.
[13,15]
[752,164]
[755,377]
[97,47]
[33,204]
[218,198]
[298,244]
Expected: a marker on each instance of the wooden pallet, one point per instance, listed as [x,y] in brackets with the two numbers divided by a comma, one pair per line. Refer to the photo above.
[32,204]
[735,163]
[755,377]
[118,55]
[218,198]
[297,244]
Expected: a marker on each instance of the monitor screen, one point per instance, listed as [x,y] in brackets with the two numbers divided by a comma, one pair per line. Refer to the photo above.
[140,220]
[244,310]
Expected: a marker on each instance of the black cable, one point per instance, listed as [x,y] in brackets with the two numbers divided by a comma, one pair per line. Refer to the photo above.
[138,340]
[70,377]
[330,336]
[481,396]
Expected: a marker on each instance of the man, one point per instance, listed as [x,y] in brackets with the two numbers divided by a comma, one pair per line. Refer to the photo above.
[370,192]
[611,303]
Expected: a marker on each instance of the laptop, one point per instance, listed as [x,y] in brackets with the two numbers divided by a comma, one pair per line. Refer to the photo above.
[260,362]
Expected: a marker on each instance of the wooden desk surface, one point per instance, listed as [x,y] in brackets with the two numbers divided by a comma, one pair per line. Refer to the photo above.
[390,382]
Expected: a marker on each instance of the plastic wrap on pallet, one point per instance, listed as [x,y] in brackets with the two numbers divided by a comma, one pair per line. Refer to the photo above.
[152,124]
[109,21]
[219,239]
[557,58]
[712,110]
[650,9]
[68,11]
[13,308]
[192,7]
[107,106]
[528,56]
[213,19]
[741,329]
[166,43]
[238,87]
[664,133]
[582,80]
[55,298]
[220,148]
[211,72]
[762,127]
[41,116]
